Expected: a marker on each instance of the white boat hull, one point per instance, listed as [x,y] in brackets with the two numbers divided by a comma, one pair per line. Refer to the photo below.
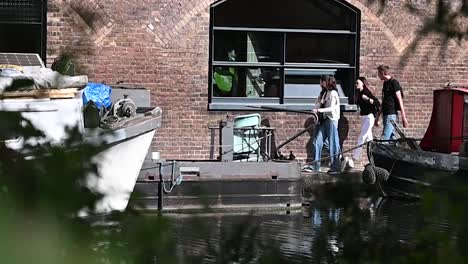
[119,164]
[116,181]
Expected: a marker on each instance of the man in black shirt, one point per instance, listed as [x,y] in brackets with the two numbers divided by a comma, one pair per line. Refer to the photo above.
[392,102]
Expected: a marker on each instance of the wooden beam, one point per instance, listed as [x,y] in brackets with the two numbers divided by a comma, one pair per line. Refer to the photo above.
[41,93]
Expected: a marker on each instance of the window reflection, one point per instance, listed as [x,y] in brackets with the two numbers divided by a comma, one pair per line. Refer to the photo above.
[246,82]
[305,83]
[247,46]
[319,48]
[296,14]
[273,50]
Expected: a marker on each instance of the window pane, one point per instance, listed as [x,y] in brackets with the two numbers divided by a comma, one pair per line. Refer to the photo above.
[22,38]
[293,14]
[274,51]
[346,79]
[320,48]
[246,82]
[303,83]
[247,46]
[22,11]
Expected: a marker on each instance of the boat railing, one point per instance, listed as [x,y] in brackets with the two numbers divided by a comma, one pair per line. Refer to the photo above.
[245,144]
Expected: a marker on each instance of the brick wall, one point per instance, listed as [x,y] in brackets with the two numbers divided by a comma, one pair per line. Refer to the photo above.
[163,45]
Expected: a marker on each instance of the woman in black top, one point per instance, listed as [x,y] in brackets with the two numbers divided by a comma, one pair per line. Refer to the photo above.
[369,107]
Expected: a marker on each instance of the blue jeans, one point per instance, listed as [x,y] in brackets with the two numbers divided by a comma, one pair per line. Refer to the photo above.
[387,132]
[327,129]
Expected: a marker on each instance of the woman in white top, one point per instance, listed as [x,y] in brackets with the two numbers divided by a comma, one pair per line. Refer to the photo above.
[328,108]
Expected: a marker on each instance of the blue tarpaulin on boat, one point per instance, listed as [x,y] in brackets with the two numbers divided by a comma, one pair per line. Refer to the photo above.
[99,93]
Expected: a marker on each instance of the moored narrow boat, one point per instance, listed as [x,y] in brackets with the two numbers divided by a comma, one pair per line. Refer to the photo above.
[124,143]
[412,170]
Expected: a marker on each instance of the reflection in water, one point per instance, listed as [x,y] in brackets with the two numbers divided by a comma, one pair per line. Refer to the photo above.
[298,238]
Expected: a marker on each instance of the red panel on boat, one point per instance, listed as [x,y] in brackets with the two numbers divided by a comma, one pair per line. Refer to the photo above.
[447,125]
[458,112]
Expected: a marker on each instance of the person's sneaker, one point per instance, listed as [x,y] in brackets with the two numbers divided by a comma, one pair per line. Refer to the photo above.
[309,169]
[344,163]
[350,163]
[333,172]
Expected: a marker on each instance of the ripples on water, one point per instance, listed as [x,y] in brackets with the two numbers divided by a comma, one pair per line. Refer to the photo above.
[291,232]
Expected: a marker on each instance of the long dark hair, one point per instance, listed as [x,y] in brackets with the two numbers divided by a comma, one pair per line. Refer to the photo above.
[366,84]
[367,87]
[332,83]
[326,79]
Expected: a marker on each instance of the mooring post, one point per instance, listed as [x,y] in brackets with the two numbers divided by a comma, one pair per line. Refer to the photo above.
[226,138]
[212,142]
[160,186]
[306,210]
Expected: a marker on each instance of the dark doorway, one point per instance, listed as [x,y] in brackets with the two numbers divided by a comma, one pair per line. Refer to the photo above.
[23,26]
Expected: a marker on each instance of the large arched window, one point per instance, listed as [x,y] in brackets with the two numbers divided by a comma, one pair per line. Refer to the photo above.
[273,52]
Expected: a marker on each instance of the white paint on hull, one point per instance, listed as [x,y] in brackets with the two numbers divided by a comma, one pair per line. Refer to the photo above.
[118,167]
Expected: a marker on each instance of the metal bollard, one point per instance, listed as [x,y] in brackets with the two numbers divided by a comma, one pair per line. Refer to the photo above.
[306,210]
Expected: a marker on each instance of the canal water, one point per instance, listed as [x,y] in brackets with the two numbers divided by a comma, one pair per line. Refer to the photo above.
[302,236]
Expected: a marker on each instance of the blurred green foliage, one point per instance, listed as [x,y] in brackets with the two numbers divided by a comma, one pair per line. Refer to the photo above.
[42,189]
[358,238]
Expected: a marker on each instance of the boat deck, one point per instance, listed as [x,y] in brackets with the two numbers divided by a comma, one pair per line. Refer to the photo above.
[230,186]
